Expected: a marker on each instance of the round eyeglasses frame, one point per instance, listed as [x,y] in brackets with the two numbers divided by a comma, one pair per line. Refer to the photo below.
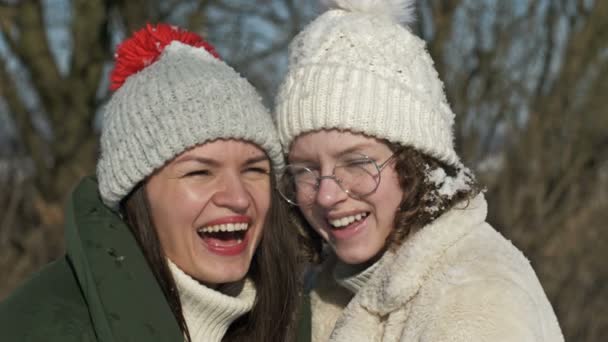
[318,179]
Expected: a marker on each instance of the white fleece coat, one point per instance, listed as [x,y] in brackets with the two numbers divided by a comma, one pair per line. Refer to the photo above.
[457,279]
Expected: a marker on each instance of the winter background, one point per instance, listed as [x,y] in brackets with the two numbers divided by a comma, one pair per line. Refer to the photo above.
[527,80]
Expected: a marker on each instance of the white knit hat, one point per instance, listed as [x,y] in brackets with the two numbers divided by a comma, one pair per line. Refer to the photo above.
[357,68]
[184,98]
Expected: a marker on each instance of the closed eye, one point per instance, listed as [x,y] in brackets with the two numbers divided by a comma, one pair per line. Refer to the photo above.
[260,170]
[356,162]
[198,173]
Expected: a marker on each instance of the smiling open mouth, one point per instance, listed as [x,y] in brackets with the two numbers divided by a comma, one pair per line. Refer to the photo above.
[345,222]
[225,239]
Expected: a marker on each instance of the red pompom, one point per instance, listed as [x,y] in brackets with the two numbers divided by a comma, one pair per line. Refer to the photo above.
[146,46]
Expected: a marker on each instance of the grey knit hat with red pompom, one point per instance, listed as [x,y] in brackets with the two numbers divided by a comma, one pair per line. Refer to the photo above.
[173,93]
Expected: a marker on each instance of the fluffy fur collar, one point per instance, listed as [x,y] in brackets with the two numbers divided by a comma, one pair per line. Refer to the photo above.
[404,271]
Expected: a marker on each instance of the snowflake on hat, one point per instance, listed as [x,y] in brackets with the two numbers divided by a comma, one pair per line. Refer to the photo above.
[146,46]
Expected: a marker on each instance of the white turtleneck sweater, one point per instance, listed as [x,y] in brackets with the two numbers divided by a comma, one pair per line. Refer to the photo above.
[209,313]
[353,277]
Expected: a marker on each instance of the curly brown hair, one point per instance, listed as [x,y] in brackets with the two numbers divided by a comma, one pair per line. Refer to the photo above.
[423,199]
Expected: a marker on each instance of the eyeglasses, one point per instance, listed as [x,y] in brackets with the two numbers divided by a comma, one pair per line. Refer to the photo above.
[356,174]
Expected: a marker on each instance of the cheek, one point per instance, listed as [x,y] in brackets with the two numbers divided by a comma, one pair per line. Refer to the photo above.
[388,199]
[314,218]
[175,208]
[261,197]
[188,199]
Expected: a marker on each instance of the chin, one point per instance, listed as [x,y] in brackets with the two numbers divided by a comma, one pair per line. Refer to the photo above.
[224,274]
[355,256]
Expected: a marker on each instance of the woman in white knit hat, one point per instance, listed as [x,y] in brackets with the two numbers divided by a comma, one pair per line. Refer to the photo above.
[396,221]
[192,241]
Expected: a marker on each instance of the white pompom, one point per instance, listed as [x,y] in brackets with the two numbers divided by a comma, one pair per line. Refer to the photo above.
[400,11]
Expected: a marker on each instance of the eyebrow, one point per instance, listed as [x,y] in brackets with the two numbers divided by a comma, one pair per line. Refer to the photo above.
[254,160]
[213,162]
[353,149]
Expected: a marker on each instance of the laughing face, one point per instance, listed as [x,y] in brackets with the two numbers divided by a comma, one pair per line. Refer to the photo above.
[209,205]
[356,228]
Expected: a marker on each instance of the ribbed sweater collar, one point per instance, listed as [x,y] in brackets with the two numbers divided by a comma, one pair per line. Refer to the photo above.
[353,277]
[208,312]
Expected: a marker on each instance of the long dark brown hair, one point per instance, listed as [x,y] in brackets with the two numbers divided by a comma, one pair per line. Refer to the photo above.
[274,270]
[421,203]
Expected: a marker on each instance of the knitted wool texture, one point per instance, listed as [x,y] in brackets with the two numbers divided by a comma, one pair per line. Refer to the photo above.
[364,72]
[208,312]
[185,98]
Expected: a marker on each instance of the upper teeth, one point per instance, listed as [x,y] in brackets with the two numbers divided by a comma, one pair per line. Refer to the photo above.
[345,221]
[229,227]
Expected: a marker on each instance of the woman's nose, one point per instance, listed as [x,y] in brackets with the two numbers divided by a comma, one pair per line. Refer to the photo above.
[330,193]
[232,193]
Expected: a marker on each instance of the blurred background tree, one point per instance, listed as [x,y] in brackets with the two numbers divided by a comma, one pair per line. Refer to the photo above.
[527,80]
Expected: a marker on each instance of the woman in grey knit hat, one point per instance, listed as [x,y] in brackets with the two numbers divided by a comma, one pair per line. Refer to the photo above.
[183,236]
[396,221]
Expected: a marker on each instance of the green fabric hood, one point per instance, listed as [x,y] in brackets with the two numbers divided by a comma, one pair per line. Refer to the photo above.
[124,299]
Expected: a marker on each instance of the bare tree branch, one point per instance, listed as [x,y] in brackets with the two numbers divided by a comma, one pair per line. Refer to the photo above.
[32,140]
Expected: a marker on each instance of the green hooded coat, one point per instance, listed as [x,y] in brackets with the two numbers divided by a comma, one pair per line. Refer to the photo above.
[101,290]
